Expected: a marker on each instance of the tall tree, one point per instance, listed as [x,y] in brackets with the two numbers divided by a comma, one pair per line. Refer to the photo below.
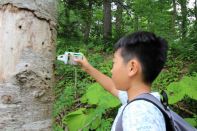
[107,25]
[27,53]
[183,4]
[119,18]
[174,16]
[67,19]
[195,9]
[88,20]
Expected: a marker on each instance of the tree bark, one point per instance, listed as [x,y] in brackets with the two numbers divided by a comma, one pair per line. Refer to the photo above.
[27,54]
[195,10]
[119,20]
[174,16]
[67,19]
[107,26]
[88,21]
[184,18]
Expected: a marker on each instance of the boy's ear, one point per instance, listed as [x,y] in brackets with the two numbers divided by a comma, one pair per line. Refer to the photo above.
[133,67]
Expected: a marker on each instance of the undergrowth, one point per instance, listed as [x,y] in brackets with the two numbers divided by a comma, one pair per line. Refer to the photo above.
[86,106]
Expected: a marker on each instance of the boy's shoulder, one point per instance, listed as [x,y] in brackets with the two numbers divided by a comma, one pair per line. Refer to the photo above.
[142,106]
[143,114]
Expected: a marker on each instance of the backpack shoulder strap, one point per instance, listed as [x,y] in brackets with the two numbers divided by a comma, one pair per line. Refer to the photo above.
[147,97]
[150,98]
[173,121]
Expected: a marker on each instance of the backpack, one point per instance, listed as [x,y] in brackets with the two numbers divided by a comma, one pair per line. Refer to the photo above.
[173,121]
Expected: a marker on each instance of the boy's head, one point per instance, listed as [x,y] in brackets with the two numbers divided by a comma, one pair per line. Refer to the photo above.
[143,52]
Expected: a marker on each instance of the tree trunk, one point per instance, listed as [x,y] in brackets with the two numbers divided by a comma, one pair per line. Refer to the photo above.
[67,27]
[184,18]
[174,16]
[136,22]
[88,21]
[195,10]
[27,53]
[107,20]
[119,20]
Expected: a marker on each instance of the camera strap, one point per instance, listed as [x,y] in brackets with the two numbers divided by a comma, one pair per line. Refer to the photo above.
[75,86]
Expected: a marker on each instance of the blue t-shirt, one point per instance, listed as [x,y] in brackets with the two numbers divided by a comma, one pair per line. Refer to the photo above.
[140,115]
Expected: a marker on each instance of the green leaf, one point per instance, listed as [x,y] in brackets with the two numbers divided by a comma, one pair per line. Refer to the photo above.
[96,95]
[109,101]
[187,86]
[175,93]
[95,123]
[105,125]
[77,112]
[191,121]
[190,86]
[75,120]
[83,99]
[78,119]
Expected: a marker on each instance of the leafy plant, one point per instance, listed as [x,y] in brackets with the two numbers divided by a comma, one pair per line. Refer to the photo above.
[91,118]
[185,87]
[90,102]
[177,91]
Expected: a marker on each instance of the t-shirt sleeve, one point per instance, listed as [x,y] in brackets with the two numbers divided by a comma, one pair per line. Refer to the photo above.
[143,116]
[122,95]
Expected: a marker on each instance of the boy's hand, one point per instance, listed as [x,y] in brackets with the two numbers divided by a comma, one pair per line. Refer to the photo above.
[105,81]
[84,63]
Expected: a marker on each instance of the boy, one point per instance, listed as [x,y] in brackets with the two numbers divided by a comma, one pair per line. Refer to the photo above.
[138,59]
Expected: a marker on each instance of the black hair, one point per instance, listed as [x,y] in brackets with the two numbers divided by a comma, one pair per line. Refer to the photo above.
[149,49]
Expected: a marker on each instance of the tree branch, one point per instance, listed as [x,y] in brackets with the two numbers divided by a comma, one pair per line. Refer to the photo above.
[183,109]
[124,6]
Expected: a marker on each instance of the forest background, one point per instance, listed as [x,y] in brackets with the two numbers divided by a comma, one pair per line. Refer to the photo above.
[92,27]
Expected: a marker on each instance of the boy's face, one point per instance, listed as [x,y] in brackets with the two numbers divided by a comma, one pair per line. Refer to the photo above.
[119,71]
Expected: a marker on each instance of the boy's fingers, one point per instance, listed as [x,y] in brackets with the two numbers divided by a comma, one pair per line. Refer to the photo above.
[78,60]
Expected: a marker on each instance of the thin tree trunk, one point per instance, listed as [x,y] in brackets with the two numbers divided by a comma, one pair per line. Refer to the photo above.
[150,23]
[88,21]
[67,19]
[119,20]
[136,22]
[174,16]
[107,26]
[195,9]
[27,53]
[184,18]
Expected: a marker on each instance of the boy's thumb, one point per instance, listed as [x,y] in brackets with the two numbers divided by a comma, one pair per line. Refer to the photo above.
[77,60]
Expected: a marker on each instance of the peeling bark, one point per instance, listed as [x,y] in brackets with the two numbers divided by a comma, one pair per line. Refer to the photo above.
[27,54]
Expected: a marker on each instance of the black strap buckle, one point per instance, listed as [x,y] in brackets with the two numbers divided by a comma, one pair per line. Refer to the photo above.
[164,99]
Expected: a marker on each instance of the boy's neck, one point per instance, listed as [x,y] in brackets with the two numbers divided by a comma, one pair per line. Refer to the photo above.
[137,89]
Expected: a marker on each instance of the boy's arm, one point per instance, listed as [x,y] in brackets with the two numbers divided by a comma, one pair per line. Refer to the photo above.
[105,81]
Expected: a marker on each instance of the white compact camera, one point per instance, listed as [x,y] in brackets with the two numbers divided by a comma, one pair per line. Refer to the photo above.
[68,57]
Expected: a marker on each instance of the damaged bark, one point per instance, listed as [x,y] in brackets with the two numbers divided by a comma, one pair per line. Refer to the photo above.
[27,54]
